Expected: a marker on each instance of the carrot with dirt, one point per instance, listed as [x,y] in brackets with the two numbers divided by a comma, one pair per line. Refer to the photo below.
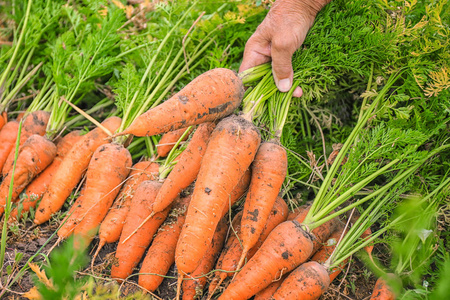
[34,123]
[211,96]
[72,169]
[382,290]
[111,226]
[195,282]
[231,149]
[8,136]
[34,156]
[34,191]
[269,170]
[136,237]
[299,213]
[161,254]
[268,292]
[186,169]
[168,140]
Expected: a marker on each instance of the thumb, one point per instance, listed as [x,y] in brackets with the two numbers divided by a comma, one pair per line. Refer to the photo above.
[282,64]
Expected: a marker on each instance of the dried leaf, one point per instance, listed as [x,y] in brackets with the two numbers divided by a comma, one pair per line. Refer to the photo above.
[32,294]
[41,275]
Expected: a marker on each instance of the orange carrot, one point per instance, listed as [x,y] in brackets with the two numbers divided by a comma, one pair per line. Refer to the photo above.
[8,136]
[112,225]
[193,289]
[321,233]
[231,149]
[72,169]
[34,191]
[286,247]
[268,292]
[169,139]
[268,173]
[100,190]
[382,290]
[34,123]
[4,120]
[131,245]
[71,219]
[186,169]
[161,254]
[209,97]
[35,155]
[307,282]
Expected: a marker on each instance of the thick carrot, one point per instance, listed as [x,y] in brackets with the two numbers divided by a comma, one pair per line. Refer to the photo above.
[100,190]
[286,247]
[231,149]
[382,290]
[34,123]
[161,254]
[35,155]
[112,225]
[34,191]
[209,97]
[268,173]
[169,139]
[186,169]
[267,293]
[72,169]
[327,249]
[196,281]
[307,282]
[8,136]
[131,247]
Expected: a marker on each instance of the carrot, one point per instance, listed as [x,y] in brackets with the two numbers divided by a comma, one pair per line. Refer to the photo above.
[4,120]
[34,123]
[71,219]
[269,170]
[209,97]
[231,149]
[286,247]
[34,191]
[299,213]
[72,169]
[169,139]
[382,290]
[193,289]
[327,249]
[35,155]
[186,169]
[112,225]
[100,190]
[131,247]
[307,282]
[267,293]
[321,233]
[8,136]
[161,254]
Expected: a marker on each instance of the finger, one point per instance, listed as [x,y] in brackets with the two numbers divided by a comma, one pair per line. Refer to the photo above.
[256,52]
[282,50]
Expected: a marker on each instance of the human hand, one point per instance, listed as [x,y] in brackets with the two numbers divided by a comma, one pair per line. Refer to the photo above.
[277,38]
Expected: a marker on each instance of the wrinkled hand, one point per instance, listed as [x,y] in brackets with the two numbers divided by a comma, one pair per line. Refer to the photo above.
[277,38]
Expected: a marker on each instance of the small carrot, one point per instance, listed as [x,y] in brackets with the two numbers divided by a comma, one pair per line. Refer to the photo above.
[196,281]
[34,123]
[382,290]
[100,190]
[112,225]
[299,213]
[34,191]
[209,97]
[35,155]
[169,139]
[161,254]
[8,136]
[308,282]
[269,170]
[132,245]
[286,247]
[231,149]
[186,169]
[72,169]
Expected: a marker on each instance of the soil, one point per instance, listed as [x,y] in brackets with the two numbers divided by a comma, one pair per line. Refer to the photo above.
[355,283]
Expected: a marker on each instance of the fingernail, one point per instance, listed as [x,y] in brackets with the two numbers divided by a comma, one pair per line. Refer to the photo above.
[284,85]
